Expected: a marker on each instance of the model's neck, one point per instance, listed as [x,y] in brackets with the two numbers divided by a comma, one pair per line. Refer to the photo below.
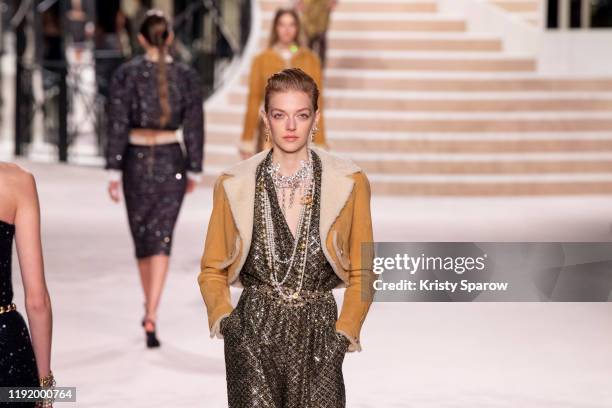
[289,161]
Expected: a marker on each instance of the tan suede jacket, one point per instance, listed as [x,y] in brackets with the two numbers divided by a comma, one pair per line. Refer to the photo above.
[345,222]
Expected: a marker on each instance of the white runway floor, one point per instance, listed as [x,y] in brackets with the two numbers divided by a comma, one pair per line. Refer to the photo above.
[415,355]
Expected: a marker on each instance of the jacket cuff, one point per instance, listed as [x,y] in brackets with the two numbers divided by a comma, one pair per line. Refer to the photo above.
[195,176]
[114,175]
[355,344]
[214,318]
[215,330]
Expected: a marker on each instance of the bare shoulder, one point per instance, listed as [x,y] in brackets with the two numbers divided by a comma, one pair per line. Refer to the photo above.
[17,179]
[17,186]
[14,175]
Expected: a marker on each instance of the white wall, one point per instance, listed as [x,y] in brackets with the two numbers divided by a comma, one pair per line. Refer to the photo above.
[576,52]
[519,37]
[559,52]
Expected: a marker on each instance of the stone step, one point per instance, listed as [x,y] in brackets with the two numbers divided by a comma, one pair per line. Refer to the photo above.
[409,44]
[341,79]
[493,45]
[478,185]
[442,104]
[423,163]
[491,188]
[443,143]
[386,121]
[467,125]
[379,23]
[518,6]
[408,81]
[440,64]
[370,6]
[456,163]
[584,142]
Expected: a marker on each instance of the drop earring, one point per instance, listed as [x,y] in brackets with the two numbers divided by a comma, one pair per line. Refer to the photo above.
[267,132]
[312,133]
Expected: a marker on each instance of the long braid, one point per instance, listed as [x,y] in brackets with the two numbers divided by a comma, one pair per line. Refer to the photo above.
[162,87]
[156,29]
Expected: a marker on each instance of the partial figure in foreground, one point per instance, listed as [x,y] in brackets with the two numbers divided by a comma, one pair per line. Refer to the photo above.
[25,356]
[307,212]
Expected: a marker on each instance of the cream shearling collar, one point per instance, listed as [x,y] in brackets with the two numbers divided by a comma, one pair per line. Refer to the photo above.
[336,187]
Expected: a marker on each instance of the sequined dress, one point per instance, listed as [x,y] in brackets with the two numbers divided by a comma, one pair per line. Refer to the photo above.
[154,177]
[17,360]
[279,354]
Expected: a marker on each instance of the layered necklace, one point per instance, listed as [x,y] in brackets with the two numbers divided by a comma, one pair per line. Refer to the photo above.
[304,178]
[293,181]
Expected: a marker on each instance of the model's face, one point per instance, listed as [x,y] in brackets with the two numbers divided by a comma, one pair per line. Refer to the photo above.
[286,29]
[290,119]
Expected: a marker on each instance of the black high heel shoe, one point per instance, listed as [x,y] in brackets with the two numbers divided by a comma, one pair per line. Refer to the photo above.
[152,340]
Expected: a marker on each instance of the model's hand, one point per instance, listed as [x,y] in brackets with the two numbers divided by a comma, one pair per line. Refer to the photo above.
[191,185]
[113,190]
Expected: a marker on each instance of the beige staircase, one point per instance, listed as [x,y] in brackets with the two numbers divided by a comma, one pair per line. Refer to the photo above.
[428,107]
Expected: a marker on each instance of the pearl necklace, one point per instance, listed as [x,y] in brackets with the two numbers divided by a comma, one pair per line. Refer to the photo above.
[272,256]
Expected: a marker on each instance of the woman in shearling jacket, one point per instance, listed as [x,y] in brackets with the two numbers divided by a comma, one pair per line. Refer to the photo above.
[287,225]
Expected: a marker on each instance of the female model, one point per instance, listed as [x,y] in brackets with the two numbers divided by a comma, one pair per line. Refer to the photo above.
[23,362]
[150,98]
[284,51]
[307,213]
[315,20]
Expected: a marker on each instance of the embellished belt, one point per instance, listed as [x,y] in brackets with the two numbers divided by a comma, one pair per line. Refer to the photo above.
[8,308]
[302,298]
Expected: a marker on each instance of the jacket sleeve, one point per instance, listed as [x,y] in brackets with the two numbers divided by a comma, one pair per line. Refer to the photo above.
[193,122]
[359,293]
[213,277]
[319,138]
[120,98]
[251,119]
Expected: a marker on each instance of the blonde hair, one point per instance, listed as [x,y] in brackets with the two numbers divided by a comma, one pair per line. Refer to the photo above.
[292,79]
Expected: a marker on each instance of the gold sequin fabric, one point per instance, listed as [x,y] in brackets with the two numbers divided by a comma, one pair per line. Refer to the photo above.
[17,360]
[278,353]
